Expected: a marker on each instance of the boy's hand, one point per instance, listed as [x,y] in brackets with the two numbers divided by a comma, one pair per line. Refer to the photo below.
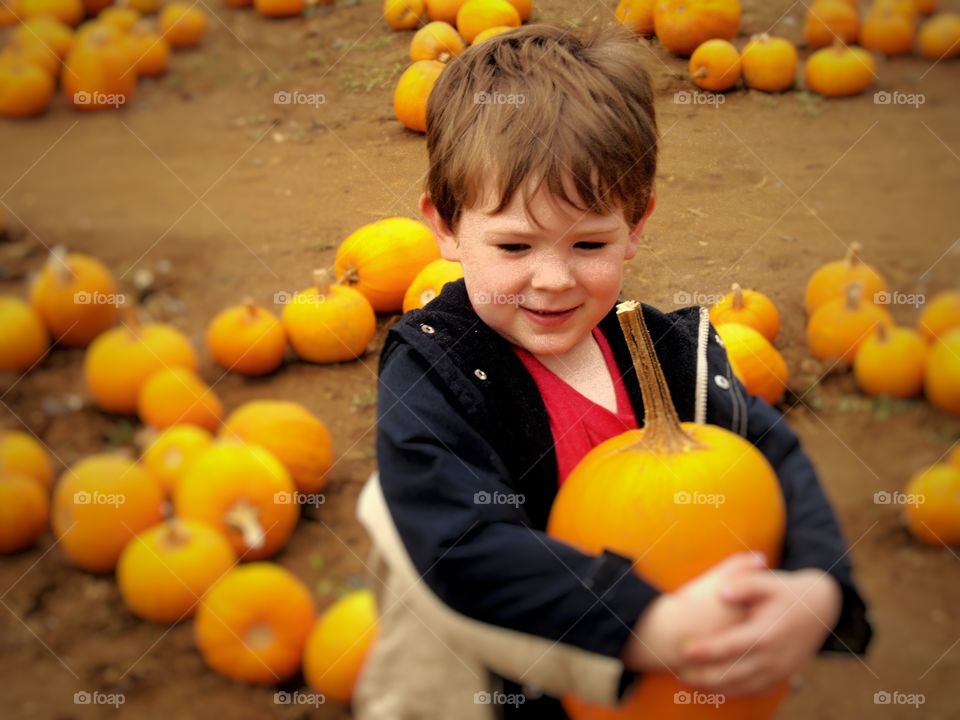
[694,610]
[790,614]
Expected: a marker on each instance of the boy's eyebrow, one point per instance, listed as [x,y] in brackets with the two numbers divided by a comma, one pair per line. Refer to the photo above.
[509,233]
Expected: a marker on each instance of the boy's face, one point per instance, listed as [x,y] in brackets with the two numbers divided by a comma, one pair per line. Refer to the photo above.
[542,288]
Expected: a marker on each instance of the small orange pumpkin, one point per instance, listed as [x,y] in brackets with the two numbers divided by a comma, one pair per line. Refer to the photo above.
[381,259]
[69,12]
[253,624]
[244,492]
[247,339]
[769,63]
[429,282]
[939,37]
[23,337]
[755,361]
[682,25]
[444,10]
[892,361]
[22,454]
[436,41]
[150,51]
[524,9]
[887,32]
[165,570]
[940,315]
[52,34]
[99,505]
[906,8]
[76,295]
[935,518]
[177,396]
[413,91]
[747,307]
[26,89]
[329,323]
[171,451]
[122,17]
[636,15]
[838,327]
[118,363]
[24,512]
[295,436]
[99,73]
[490,33]
[829,21]
[475,16]
[942,381]
[338,645]
[715,65]
[182,25]
[832,279]
[404,14]
[31,49]
[280,8]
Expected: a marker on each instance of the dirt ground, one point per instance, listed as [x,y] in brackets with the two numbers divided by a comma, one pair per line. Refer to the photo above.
[224,194]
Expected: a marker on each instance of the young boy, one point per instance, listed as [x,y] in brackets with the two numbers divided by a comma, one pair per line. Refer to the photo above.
[543,148]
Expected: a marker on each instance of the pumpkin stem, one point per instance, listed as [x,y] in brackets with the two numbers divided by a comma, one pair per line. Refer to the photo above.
[321,279]
[443,57]
[57,262]
[854,295]
[883,335]
[853,254]
[702,72]
[737,296]
[251,307]
[176,535]
[244,518]
[662,430]
[350,276]
[129,316]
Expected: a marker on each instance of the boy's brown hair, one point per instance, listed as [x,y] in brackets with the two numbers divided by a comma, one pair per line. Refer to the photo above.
[543,102]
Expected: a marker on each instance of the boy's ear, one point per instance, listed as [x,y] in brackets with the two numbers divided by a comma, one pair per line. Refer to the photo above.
[637,230]
[447,240]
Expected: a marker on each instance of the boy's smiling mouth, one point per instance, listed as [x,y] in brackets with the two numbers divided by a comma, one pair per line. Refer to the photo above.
[548,317]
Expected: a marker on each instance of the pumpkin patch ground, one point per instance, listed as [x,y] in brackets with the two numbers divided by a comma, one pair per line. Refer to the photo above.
[228,180]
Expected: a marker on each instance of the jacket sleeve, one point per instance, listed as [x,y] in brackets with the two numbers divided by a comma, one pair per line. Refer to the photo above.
[468,535]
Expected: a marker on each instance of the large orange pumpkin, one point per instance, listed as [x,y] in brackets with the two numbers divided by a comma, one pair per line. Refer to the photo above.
[942,381]
[891,361]
[838,327]
[940,315]
[831,280]
[22,454]
[23,336]
[747,307]
[840,71]
[769,63]
[436,41]
[936,520]
[682,25]
[429,282]
[412,92]
[24,512]
[677,499]
[755,361]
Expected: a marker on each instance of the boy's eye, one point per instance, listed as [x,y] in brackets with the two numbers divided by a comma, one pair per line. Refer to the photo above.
[584,245]
[513,247]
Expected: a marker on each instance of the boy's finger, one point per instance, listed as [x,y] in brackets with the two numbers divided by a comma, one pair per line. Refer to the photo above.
[748,587]
[725,646]
[726,677]
[741,561]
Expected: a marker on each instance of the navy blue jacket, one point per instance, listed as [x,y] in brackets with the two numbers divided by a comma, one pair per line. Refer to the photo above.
[458,414]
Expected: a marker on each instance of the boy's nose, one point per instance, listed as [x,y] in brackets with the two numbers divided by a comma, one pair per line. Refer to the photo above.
[553,275]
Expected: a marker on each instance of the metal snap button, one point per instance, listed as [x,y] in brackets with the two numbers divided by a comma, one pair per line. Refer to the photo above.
[721,381]
[480,374]
[428,329]
[719,340]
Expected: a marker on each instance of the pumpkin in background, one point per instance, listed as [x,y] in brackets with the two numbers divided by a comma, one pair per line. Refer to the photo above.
[23,336]
[954,458]
[99,505]
[176,395]
[338,645]
[490,32]
[165,570]
[150,51]
[413,91]
[436,41]
[247,339]
[182,25]
[382,259]
[755,361]
[280,8]
[676,498]
[936,520]
[906,8]
[122,17]
[715,65]
[118,363]
[329,323]
[637,15]
[524,9]
[429,282]
[838,327]
[475,16]
[76,295]
[26,89]
[244,492]
[840,71]
[891,361]
[769,63]
[828,21]
[145,7]
[832,279]
[22,454]
[295,436]
[99,73]
[940,315]
[69,12]
[53,35]
[404,14]
[30,49]
[170,453]
[9,12]
[925,7]
[887,32]
[939,37]
[444,10]
[253,624]
[93,7]
[747,307]
[942,381]
[24,512]
[682,25]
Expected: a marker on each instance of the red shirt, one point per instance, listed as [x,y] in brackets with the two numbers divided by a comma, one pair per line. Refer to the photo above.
[577,423]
